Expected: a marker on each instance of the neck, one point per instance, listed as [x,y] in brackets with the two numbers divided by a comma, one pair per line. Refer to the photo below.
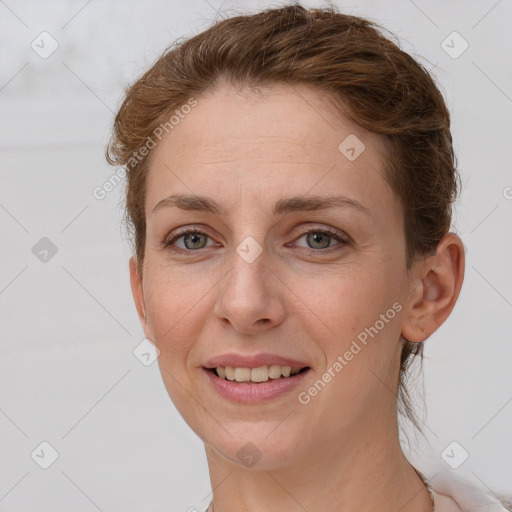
[366,472]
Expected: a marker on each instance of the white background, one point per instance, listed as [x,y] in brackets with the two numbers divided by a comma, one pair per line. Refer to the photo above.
[68,326]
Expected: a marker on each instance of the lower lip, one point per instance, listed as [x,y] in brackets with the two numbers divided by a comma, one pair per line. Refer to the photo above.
[251,392]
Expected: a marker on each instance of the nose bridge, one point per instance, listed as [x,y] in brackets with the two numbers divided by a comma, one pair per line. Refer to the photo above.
[247,283]
[249,298]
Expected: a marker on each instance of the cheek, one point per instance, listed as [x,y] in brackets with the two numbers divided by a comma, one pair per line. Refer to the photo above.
[178,310]
[357,342]
[345,302]
[353,315]
[177,306]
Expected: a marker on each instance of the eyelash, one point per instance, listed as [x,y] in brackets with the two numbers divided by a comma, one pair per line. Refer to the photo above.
[168,243]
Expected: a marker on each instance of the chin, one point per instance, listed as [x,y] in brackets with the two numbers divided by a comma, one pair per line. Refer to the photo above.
[256,449]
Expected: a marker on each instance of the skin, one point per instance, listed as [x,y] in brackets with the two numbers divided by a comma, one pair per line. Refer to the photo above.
[340,452]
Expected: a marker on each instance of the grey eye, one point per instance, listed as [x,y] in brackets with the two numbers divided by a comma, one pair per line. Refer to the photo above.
[195,240]
[318,240]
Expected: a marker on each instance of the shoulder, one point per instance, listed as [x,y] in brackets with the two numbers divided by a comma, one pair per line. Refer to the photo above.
[444,503]
[455,493]
[460,500]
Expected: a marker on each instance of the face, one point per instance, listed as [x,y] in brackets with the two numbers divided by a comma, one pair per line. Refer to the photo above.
[324,283]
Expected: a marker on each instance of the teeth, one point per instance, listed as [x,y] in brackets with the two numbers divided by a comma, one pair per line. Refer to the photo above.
[260,374]
[242,374]
[274,371]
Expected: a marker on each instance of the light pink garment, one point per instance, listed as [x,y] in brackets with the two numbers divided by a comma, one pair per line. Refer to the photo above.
[462,496]
[454,493]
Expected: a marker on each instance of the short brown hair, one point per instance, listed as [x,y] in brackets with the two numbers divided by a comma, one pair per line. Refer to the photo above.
[374,82]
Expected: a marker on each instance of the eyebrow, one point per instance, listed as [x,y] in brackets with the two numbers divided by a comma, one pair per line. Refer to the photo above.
[292,204]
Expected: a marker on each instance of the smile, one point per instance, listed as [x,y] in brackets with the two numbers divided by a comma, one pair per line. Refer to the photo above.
[245,390]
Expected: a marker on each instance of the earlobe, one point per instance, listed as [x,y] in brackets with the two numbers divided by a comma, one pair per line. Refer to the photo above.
[440,282]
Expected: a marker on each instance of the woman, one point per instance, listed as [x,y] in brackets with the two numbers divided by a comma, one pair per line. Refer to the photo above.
[290,182]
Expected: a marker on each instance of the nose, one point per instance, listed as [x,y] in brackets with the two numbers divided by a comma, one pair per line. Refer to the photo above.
[250,299]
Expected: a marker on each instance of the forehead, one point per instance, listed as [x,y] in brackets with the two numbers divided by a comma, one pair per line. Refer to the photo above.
[284,137]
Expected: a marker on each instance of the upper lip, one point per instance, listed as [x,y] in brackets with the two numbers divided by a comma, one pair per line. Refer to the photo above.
[253,361]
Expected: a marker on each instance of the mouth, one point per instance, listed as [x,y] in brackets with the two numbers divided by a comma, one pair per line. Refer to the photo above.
[259,375]
[244,385]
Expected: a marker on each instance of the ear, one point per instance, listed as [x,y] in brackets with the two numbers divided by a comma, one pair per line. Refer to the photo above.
[137,291]
[436,289]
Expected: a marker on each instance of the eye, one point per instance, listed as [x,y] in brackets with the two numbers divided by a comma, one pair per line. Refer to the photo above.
[193,239]
[316,239]
[321,238]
